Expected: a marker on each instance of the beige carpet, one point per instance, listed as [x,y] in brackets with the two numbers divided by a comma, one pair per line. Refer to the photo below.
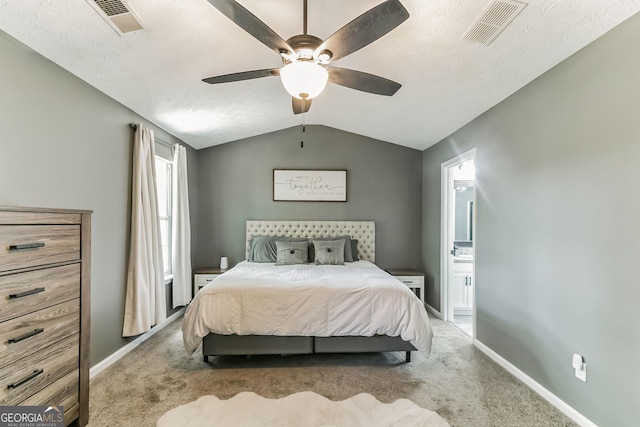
[303,409]
[457,381]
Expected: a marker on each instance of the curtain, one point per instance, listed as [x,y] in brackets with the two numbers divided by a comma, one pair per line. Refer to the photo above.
[181,229]
[145,300]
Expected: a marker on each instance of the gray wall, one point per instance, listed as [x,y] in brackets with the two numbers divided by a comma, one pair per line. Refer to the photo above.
[66,145]
[556,248]
[383,180]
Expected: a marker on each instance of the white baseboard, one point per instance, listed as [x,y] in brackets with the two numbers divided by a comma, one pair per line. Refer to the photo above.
[110,360]
[433,311]
[462,311]
[535,386]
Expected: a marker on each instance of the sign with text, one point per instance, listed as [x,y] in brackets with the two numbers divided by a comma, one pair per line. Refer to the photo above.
[309,185]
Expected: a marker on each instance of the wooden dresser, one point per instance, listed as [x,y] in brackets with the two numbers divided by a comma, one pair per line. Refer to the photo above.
[45,283]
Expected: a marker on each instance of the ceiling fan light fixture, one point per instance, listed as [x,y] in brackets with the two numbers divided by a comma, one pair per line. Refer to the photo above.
[304,79]
[305,53]
[324,56]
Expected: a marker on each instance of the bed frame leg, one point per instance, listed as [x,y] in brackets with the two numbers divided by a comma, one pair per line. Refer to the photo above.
[407,356]
[206,359]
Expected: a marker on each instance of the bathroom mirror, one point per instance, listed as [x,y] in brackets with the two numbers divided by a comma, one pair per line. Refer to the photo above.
[463,211]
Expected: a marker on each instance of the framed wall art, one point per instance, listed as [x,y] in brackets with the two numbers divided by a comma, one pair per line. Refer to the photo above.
[309,185]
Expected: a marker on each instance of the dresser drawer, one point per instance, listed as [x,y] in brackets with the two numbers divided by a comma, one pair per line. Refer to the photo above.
[62,392]
[24,335]
[23,246]
[22,293]
[29,217]
[27,376]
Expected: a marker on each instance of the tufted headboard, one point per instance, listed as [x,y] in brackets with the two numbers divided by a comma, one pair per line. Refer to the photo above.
[363,231]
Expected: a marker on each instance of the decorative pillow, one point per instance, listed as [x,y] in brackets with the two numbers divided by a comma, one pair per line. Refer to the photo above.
[348,253]
[354,250]
[329,252]
[262,249]
[299,239]
[292,252]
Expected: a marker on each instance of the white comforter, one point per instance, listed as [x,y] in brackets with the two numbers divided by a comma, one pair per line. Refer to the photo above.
[307,300]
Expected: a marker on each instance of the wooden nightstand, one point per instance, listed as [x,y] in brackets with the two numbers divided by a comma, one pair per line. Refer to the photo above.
[202,276]
[414,279]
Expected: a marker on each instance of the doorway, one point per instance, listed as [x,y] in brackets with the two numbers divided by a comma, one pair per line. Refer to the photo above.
[457,299]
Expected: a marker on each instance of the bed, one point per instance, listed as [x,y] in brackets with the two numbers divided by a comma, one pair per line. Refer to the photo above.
[343,304]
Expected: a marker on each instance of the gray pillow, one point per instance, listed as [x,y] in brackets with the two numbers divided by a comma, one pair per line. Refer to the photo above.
[300,239]
[354,250]
[348,253]
[291,252]
[329,252]
[262,249]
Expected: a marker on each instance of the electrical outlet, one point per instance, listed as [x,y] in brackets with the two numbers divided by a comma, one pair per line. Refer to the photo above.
[581,373]
[580,366]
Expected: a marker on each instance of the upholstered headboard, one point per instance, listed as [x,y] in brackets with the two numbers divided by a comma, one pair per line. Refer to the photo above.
[363,231]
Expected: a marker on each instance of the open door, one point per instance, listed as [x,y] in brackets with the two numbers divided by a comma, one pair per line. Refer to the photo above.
[457,241]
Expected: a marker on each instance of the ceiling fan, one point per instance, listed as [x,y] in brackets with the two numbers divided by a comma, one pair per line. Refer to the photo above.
[306,58]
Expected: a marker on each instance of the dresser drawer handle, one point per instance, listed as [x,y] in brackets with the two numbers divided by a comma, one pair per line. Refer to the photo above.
[26,293]
[26,246]
[25,379]
[25,336]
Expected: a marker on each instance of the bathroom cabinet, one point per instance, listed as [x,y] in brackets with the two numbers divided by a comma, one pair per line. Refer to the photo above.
[463,287]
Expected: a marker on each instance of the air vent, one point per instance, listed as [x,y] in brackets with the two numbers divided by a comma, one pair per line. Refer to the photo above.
[118,14]
[495,18]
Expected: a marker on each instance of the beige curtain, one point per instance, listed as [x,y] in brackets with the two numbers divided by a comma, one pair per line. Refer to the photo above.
[145,301]
[181,229]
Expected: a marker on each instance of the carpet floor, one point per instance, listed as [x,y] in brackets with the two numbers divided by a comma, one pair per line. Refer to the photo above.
[457,381]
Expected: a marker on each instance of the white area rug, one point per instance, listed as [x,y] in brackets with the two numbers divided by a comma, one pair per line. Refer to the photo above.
[304,409]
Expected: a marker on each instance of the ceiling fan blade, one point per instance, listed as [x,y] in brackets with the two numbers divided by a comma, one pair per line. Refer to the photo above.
[252,25]
[366,28]
[245,75]
[362,81]
[300,105]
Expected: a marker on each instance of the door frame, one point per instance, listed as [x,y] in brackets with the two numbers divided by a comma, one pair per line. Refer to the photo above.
[447,225]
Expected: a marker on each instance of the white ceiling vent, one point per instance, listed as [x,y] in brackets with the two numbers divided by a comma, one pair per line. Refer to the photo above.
[494,19]
[118,14]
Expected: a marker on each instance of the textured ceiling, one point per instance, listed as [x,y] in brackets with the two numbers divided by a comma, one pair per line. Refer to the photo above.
[446,81]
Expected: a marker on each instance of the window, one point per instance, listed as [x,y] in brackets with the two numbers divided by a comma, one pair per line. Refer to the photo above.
[163,180]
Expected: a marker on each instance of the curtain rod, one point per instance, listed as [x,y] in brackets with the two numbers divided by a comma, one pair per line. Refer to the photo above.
[158,140]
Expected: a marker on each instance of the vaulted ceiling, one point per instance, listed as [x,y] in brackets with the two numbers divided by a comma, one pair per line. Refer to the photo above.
[446,79]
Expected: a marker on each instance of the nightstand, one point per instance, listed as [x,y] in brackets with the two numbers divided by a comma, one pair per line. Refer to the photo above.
[414,279]
[202,276]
